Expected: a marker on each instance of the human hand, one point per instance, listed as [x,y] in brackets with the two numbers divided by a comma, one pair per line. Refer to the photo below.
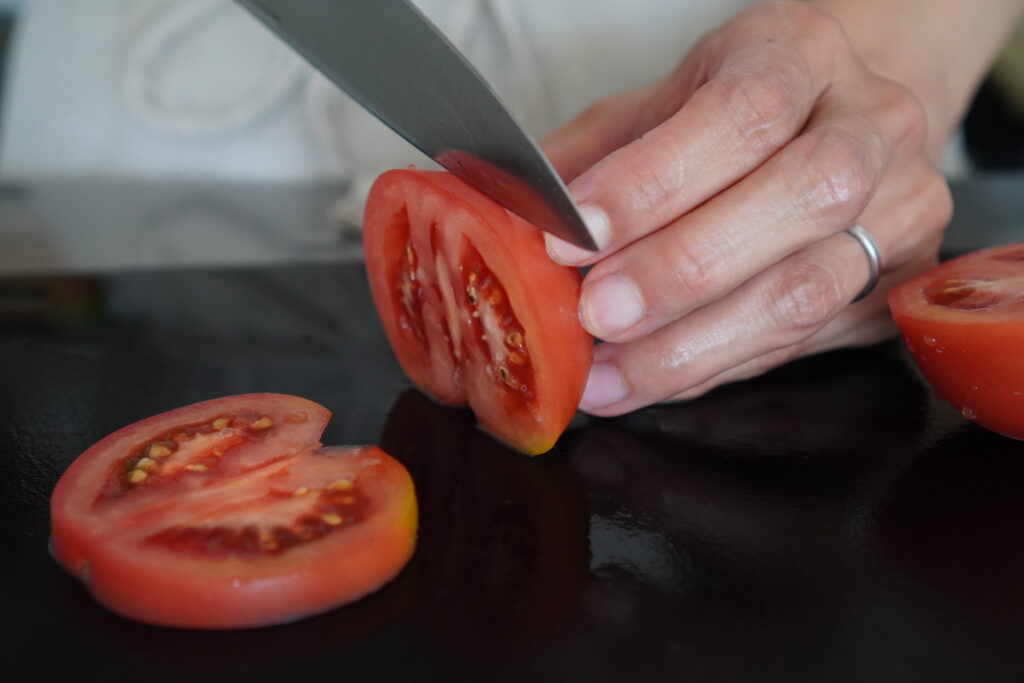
[720,196]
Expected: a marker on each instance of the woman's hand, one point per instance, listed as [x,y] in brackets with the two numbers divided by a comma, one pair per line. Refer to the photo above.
[720,197]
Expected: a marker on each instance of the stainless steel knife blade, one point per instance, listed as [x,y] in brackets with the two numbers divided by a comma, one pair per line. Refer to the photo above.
[393,61]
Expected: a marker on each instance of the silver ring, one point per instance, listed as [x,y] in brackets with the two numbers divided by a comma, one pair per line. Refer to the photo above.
[867,243]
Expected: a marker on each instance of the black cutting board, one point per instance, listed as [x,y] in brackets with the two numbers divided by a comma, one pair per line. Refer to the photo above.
[830,521]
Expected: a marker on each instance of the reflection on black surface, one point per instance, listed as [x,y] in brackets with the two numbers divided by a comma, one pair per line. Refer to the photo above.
[857,403]
[502,552]
[827,522]
[954,526]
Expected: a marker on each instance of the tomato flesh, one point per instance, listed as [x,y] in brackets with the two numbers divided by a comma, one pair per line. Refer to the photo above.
[963,323]
[229,514]
[472,306]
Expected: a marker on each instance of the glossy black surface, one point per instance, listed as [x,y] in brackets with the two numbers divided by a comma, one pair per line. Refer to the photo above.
[828,522]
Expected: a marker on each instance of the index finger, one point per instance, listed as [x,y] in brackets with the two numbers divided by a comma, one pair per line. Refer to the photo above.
[753,103]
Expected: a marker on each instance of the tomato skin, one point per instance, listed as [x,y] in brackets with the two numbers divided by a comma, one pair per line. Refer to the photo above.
[433,219]
[112,542]
[963,323]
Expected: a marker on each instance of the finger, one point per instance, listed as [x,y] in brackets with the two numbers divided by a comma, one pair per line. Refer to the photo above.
[602,128]
[855,326]
[915,210]
[779,308]
[814,188]
[755,102]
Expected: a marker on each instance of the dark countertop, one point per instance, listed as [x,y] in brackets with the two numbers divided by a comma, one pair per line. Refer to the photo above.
[830,521]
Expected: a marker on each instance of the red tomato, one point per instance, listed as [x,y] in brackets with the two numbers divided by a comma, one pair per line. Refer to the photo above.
[473,307]
[229,514]
[964,325]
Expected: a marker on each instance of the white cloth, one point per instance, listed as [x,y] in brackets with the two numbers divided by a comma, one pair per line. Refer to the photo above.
[198,89]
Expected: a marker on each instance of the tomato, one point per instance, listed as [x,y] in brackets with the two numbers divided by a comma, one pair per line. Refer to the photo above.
[229,514]
[473,307]
[963,323]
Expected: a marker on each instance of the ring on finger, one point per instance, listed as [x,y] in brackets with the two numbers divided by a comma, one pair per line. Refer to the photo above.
[867,243]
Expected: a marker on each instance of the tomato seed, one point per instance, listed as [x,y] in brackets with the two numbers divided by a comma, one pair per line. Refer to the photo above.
[159,450]
[195,467]
[341,485]
[221,423]
[262,423]
[514,338]
[137,476]
[301,491]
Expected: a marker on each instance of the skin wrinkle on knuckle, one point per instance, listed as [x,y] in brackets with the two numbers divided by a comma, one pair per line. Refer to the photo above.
[839,173]
[760,106]
[805,296]
[690,267]
[653,170]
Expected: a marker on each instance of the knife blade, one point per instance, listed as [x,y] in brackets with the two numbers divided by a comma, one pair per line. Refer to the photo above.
[388,57]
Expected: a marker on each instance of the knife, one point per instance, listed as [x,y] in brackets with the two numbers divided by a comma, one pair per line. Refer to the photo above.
[394,62]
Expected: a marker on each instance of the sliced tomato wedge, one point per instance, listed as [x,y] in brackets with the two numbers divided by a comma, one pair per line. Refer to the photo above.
[473,307]
[963,323]
[229,514]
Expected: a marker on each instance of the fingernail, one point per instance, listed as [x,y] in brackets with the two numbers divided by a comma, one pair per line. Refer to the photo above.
[611,305]
[569,254]
[597,223]
[562,252]
[605,386]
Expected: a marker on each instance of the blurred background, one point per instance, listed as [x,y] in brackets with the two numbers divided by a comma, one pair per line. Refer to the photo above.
[140,134]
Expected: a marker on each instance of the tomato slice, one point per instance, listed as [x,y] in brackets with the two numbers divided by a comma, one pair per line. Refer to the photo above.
[963,323]
[473,307]
[229,514]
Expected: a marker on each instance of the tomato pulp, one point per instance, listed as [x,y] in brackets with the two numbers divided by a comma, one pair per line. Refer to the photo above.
[229,514]
[473,307]
[963,323]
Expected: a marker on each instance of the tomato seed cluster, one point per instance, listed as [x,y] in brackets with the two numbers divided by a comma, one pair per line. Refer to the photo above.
[336,505]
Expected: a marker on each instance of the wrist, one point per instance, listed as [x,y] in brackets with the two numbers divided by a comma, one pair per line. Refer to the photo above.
[939,50]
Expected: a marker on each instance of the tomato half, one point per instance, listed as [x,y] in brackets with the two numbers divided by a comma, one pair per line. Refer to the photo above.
[229,514]
[473,307]
[963,323]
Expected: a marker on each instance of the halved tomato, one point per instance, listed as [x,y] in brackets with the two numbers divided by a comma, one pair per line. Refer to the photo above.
[473,307]
[963,323]
[229,514]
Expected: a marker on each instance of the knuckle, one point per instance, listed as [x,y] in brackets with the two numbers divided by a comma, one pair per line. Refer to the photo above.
[840,171]
[908,113]
[804,297]
[760,104]
[653,170]
[690,268]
